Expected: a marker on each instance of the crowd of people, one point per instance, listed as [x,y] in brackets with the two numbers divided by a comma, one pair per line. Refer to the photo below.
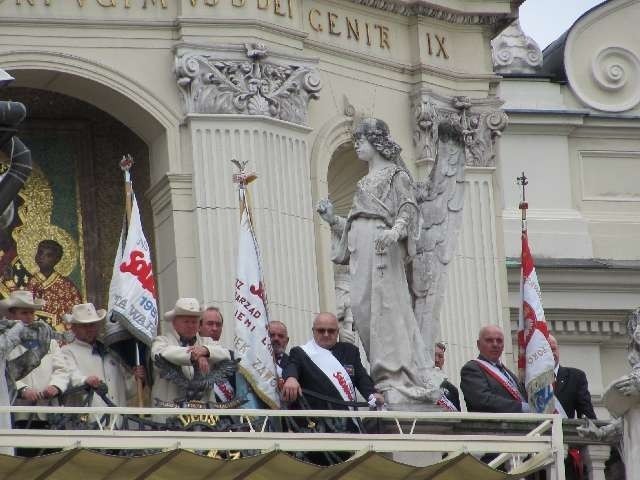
[190,344]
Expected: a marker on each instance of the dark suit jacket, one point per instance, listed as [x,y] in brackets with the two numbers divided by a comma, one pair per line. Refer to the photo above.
[483,393]
[284,361]
[572,389]
[451,392]
[311,377]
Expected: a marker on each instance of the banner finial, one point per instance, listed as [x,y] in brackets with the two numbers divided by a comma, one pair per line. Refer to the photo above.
[242,177]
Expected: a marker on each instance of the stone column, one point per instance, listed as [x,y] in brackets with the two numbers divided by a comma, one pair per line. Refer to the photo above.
[254,110]
[594,458]
[475,288]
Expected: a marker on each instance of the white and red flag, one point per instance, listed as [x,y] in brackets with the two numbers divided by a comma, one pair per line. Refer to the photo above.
[132,292]
[535,359]
[251,341]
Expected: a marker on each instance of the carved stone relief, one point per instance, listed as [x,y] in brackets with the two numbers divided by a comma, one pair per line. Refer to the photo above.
[229,82]
[480,120]
[513,52]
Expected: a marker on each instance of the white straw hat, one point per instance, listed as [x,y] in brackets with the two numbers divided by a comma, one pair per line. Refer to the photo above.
[85,313]
[21,299]
[189,307]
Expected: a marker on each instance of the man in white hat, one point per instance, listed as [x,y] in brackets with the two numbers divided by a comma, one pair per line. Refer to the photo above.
[31,389]
[14,332]
[182,346]
[89,362]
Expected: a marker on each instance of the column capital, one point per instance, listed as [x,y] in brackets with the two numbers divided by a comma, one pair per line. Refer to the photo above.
[246,80]
[481,122]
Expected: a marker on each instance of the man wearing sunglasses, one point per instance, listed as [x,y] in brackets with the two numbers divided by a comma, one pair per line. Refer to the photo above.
[328,367]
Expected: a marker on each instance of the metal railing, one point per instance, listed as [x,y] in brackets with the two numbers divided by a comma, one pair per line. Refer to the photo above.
[525,434]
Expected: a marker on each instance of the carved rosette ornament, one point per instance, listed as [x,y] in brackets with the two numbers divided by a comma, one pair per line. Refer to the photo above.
[216,82]
[480,121]
[513,52]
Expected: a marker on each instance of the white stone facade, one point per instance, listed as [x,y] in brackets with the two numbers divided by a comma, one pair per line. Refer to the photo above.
[574,129]
[137,60]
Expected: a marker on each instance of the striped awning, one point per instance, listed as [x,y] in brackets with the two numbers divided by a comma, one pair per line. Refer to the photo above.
[179,464]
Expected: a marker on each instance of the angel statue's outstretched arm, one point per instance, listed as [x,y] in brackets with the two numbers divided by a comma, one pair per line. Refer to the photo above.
[610,432]
[327,212]
[440,201]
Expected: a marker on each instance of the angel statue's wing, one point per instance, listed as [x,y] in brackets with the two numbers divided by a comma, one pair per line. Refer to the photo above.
[220,370]
[440,200]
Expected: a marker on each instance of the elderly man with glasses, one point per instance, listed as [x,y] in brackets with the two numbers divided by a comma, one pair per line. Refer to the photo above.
[327,366]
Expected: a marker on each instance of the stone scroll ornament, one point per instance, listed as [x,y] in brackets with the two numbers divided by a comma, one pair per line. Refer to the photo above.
[513,52]
[251,86]
[451,133]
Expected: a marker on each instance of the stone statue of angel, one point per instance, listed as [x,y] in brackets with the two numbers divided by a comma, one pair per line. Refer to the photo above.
[379,239]
[622,399]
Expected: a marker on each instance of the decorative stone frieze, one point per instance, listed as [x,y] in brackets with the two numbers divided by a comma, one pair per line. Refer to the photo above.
[583,324]
[412,8]
[221,82]
[481,123]
[513,52]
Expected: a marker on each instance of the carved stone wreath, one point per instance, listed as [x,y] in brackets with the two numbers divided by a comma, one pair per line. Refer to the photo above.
[211,84]
[481,125]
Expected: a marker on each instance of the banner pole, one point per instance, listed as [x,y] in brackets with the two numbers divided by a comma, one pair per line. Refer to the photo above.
[125,164]
[243,178]
[523,206]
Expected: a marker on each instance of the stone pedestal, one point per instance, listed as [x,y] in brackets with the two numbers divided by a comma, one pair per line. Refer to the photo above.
[594,458]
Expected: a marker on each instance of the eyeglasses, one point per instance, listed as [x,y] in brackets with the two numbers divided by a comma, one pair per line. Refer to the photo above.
[326,331]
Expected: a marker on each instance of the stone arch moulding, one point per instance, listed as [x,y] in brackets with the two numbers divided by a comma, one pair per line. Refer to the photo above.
[163,119]
[334,134]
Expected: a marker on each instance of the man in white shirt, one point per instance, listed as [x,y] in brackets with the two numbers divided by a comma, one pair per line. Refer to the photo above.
[89,362]
[31,389]
[182,346]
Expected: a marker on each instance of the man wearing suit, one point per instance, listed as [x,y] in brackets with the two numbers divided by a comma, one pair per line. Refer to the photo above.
[211,324]
[327,366]
[279,340]
[571,387]
[572,390]
[449,390]
[487,385]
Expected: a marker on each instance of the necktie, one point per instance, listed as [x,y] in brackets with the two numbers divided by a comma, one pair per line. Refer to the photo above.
[279,359]
[98,349]
[187,342]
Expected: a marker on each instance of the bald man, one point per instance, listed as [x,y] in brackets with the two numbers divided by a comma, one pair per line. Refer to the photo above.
[487,385]
[329,367]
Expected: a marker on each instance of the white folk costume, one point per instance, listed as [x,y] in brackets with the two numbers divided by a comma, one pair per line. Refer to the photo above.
[12,337]
[82,360]
[172,349]
[39,378]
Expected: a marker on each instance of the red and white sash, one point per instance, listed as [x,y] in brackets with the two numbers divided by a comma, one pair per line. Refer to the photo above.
[224,390]
[332,368]
[507,383]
